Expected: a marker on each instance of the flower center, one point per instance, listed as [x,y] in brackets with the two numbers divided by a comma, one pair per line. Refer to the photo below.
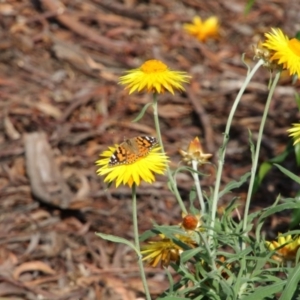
[153,66]
[294,44]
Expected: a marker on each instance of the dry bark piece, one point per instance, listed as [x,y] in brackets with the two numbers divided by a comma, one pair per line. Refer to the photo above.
[32,266]
[46,181]
[70,22]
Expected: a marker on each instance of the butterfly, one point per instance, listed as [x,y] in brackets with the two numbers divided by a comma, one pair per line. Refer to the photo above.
[132,149]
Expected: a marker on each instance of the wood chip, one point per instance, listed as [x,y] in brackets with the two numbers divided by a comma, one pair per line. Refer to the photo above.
[46,181]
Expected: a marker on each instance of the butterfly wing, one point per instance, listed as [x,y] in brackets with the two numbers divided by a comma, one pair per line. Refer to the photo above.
[145,144]
[119,156]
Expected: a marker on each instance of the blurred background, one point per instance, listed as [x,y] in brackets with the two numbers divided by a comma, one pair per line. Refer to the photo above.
[61,106]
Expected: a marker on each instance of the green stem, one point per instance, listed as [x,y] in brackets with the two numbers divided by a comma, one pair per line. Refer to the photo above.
[223,147]
[209,252]
[198,186]
[137,242]
[171,178]
[257,150]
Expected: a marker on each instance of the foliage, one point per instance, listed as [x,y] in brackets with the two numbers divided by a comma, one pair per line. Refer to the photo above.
[217,253]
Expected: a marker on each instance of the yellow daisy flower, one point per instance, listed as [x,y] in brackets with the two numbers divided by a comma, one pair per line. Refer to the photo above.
[165,250]
[295,132]
[286,247]
[284,51]
[134,160]
[203,30]
[154,76]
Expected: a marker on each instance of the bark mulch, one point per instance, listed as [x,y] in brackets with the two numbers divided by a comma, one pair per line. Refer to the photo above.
[61,105]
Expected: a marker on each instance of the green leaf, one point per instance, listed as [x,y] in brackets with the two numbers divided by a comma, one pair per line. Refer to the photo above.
[248,6]
[297,99]
[252,146]
[148,234]
[288,173]
[297,153]
[192,196]
[265,291]
[289,204]
[266,166]
[234,184]
[173,298]
[188,254]
[263,170]
[141,114]
[116,239]
[169,231]
[227,289]
[296,214]
[171,280]
[295,218]
[292,283]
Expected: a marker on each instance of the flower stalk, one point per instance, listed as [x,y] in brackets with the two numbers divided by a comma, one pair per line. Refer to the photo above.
[198,186]
[169,174]
[257,151]
[222,151]
[137,242]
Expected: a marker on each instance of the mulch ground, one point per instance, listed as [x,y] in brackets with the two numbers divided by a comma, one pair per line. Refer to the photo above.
[61,105]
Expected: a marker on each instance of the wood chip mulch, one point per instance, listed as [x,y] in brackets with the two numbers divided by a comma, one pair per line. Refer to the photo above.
[61,105]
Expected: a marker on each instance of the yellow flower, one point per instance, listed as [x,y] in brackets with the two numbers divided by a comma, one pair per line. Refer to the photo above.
[195,153]
[286,247]
[295,132]
[165,250]
[134,160]
[203,30]
[154,76]
[284,51]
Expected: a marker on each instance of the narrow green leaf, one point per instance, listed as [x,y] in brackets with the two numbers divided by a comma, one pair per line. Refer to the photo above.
[297,153]
[169,231]
[234,184]
[188,254]
[148,234]
[116,239]
[171,280]
[291,285]
[227,289]
[288,173]
[141,114]
[295,218]
[297,99]
[174,298]
[263,170]
[252,146]
[248,6]
[265,291]
[267,165]
[282,156]
[296,214]
[289,204]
